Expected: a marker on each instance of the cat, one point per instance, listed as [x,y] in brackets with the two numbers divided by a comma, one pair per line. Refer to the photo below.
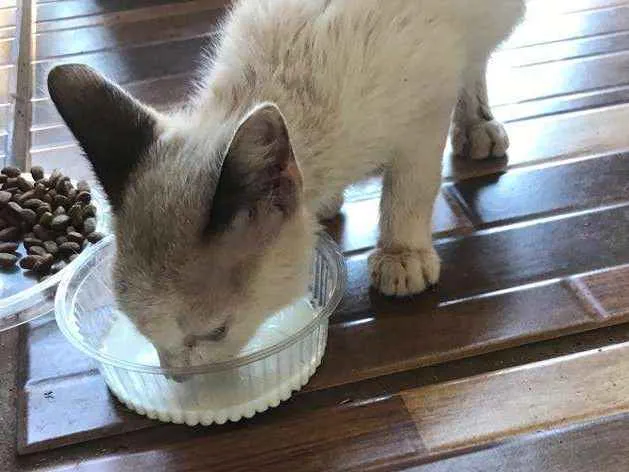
[217,204]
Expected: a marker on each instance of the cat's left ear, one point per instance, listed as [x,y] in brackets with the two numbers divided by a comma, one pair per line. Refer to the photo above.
[259,174]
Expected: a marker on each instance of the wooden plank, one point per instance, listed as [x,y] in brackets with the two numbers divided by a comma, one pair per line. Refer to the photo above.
[512,85]
[553,138]
[161,93]
[412,335]
[546,28]
[521,194]
[135,64]
[496,260]
[131,15]
[49,12]
[125,35]
[357,227]
[355,437]
[542,396]
[596,446]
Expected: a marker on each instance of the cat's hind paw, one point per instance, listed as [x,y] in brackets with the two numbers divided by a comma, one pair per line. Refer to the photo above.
[481,140]
[404,273]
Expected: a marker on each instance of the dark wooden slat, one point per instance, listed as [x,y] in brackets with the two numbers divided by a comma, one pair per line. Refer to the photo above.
[593,446]
[501,259]
[48,12]
[411,335]
[135,64]
[550,28]
[125,35]
[520,194]
[161,93]
[344,438]
[563,104]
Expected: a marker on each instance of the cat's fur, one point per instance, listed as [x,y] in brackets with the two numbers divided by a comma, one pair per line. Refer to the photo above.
[216,204]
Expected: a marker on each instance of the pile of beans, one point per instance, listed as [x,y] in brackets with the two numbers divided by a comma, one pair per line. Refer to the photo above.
[54,219]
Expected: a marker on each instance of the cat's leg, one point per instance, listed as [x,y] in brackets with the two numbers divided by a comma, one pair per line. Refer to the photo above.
[475,132]
[405,261]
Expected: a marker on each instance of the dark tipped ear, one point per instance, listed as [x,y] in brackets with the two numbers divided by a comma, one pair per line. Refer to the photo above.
[259,173]
[113,129]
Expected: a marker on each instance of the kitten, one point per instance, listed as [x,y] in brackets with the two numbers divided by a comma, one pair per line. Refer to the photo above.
[216,204]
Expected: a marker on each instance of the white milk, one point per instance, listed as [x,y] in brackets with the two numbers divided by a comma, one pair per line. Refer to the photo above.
[217,396]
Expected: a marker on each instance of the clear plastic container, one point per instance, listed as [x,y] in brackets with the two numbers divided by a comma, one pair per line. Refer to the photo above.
[23,298]
[213,393]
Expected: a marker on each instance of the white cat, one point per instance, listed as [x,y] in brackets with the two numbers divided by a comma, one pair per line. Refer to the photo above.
[216,204]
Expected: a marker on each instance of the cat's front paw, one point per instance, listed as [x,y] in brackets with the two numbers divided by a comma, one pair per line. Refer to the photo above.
[404,273]
[480,140]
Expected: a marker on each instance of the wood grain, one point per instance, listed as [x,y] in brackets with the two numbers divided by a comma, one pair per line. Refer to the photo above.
[542,396]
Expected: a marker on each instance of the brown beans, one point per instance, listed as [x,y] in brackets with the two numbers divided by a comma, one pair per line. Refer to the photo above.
[89,226]
[10,234]
[60,222]
[37,251]
[11,171]
[37,172]
[29,262]
[7,260]
[94,237]
[5,197]
[53,218]
[8,247]
[51,247]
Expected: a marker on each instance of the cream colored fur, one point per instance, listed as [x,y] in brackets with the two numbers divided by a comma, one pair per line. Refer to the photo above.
[362,86]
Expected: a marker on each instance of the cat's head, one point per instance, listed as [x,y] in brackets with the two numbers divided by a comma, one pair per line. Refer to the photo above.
[210,225]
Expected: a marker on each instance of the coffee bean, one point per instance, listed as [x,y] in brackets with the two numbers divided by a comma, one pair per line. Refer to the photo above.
[24,184]
[47,198]
[5,197]
[60,200]
[69,248]
[60,186]
[72,194]
[32,203]
[8,247]
[3,179]
[61,239]
[46,219]
[51,247]
[10,234]
[3,223]
[58,266]
[95,237]
[44,208]
[59,211]
[60,222]
[11,183]
[28,242]
[89,211]
[76,237]
[7,260]
[42,233]
[40,189]
[11,171]
[37,251]
[37,172]
[28,215]
[44,263]
[29,262]
[55,175]
[89,226]
[15,207]
[84,197]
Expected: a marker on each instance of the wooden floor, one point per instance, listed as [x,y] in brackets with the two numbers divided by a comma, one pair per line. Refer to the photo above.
[517,361]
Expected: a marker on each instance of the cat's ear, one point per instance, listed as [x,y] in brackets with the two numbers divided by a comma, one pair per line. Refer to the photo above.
[259,174]
[113,129]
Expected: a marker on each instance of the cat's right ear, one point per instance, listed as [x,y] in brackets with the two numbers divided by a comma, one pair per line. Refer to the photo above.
[114,130]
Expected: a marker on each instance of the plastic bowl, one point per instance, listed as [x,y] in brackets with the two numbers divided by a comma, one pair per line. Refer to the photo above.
[212,393]
[22,298]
